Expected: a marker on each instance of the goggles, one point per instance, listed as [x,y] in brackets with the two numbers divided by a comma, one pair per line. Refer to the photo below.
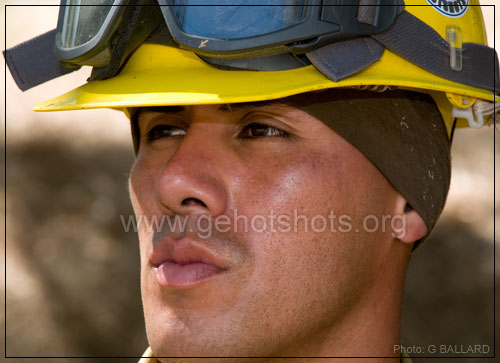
[338,37]
[219,28]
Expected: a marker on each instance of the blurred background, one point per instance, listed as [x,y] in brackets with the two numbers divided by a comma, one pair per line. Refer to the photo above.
[72,285]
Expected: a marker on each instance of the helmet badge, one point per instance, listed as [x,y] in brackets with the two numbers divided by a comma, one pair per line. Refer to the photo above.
[450,8]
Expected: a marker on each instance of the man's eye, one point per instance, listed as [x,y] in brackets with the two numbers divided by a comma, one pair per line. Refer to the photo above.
[255,130]
[161,131]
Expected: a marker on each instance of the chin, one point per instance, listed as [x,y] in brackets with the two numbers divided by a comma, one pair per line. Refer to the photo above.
[173,333]
[179,344]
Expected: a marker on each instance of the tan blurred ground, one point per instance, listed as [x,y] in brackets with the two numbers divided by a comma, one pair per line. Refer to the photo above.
[72,286]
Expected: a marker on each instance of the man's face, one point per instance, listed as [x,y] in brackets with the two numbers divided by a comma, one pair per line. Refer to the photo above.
[258,289]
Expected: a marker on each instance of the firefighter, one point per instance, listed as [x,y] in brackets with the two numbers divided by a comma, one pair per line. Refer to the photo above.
[295,154]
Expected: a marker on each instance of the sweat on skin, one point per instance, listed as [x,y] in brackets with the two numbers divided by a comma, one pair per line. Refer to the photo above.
[277,294]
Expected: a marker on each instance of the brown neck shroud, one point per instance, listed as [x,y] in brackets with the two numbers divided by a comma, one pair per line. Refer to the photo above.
[401,132]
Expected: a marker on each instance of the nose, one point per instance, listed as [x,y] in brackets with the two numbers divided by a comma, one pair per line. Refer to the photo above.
[190,181]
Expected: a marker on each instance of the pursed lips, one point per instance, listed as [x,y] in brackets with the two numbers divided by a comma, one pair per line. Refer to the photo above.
[184,263]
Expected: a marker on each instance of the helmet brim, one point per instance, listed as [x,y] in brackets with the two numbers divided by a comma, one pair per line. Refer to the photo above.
[158,75]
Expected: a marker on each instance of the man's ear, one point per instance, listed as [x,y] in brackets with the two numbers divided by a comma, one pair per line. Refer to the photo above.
[411,227]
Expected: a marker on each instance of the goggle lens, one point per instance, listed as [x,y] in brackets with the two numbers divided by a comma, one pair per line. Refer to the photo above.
[83,19]
[235,19]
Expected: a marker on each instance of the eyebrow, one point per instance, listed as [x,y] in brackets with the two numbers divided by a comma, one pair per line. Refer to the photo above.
[135,113]
[245,105]
[228,107]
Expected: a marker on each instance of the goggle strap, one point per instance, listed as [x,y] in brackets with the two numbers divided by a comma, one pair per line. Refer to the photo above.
[342,59]
[367,11]
[33,62]
[415,41]
[420,44]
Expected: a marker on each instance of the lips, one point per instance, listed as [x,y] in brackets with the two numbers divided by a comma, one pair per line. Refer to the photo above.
[184,263]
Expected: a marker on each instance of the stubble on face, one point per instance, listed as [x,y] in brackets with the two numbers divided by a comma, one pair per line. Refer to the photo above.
[281,291]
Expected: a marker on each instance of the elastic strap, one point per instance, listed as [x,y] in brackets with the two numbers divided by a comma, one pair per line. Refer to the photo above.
[342,59]
[417,42]
[414,40]
[367,11]
[33,62]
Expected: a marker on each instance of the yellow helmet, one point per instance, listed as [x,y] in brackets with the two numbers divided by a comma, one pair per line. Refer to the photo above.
[163,75]
[430,46]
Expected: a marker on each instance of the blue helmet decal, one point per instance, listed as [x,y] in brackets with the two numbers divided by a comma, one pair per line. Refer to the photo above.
[450,8]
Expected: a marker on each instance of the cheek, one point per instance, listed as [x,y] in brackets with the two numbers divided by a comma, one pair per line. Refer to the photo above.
[303,258]
[308,183]
[141,182]
[144,203]
[285,197]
